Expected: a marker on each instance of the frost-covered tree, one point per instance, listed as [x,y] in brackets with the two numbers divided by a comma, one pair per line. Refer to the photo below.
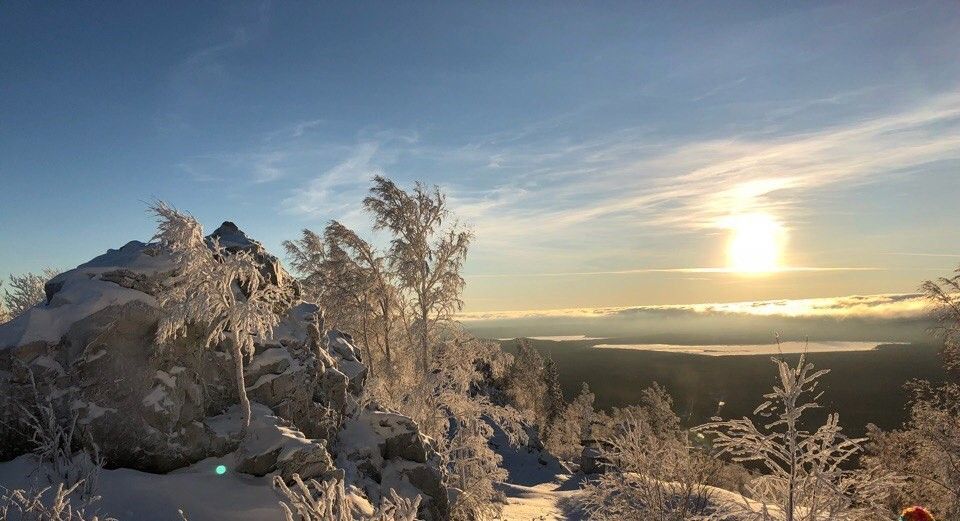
[651,471]
[350,279]
[379,288]
[26,291]
[807,476]
[473,468]
[943,295]
[532,386]
[38,505]
[312,500]
[4,312]
[307,255]
[926,450]
[223,292]
[452,405]
[425,254]
[565,436]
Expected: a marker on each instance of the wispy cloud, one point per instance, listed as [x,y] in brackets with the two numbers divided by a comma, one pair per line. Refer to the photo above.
[915,254]
[788,269]
[332,189]
[674,186]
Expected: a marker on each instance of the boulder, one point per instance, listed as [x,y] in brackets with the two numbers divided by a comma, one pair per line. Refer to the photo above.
[384,450]
[273,444]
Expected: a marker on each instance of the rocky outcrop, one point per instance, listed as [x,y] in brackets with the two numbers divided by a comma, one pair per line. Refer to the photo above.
[90,351]
[381,450]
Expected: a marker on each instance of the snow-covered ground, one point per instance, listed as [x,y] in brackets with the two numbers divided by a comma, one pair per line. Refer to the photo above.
[197,490]
[554,500]
[205,496]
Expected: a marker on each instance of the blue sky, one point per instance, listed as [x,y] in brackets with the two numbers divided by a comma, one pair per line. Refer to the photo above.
[595,148]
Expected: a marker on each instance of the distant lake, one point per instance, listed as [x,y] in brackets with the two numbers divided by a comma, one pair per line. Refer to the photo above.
[865,384]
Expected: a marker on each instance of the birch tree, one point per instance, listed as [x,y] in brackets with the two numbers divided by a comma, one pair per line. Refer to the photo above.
[426,257]
[379,287]
[307,255]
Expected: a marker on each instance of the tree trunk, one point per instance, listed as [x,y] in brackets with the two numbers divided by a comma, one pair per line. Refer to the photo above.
[241,384]
[366,338]
[424,342]
[385,309]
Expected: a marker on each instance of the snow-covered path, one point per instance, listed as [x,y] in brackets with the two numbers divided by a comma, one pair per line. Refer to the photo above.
[544,502]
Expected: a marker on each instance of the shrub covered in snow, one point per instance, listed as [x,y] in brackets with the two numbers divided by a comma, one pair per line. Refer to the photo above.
[312,500]
[649,469]
[25,291]
[40,505]
[807,476]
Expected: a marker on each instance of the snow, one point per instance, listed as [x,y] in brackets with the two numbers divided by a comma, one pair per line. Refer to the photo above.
[543,502]
[197,490]
[269,357]
[130,256]
[167,379]
[293,327]
[82,294]
[79,298]
[49,363]
[265,433]
[157,399]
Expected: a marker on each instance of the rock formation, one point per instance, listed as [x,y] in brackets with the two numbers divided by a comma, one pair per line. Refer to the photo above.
[90,352]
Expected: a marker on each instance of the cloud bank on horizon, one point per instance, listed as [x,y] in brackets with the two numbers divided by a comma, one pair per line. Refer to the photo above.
[855,318]
[893,306]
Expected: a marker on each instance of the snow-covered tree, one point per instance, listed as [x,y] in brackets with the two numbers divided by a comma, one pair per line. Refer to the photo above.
[26,291]
[926,450]
[807,476]
[307,255]
[38,505]
[565,436]
[426,256]
[532,386]
[651,471]
[223,292]
[473,468]
[312,500]
[451,404]
[379,288]
[350,279]
[4,312]
[943,294]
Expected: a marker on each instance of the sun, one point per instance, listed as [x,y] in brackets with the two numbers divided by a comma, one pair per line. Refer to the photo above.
[756,243]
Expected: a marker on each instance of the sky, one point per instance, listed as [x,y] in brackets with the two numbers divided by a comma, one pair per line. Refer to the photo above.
[601,152]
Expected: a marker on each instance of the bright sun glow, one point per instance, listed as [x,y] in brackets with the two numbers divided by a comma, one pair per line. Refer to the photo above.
[756,241]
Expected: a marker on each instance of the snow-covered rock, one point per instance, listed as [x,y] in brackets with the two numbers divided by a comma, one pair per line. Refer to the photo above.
[91,350]
[380,450]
